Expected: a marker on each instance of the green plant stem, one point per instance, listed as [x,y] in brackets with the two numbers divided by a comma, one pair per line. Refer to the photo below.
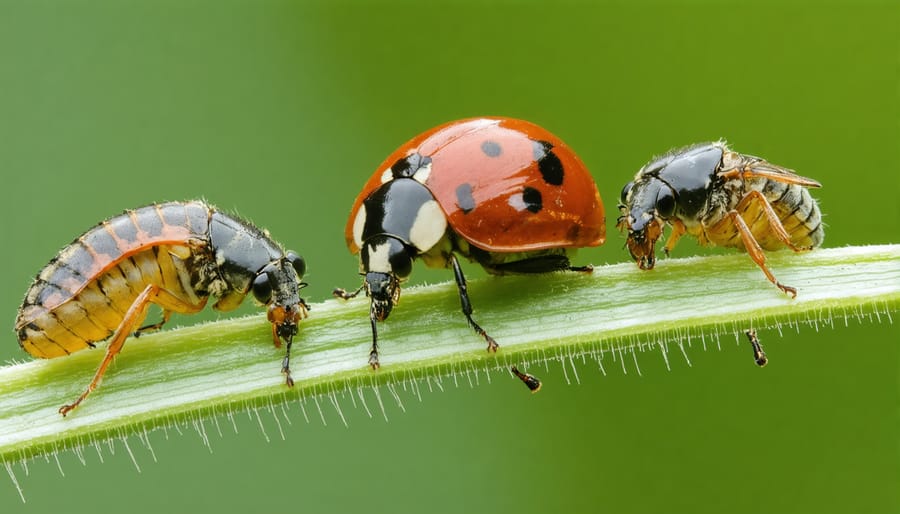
[187,373]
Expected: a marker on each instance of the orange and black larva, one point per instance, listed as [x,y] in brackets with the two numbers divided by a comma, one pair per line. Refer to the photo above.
[504,193]
[175,255]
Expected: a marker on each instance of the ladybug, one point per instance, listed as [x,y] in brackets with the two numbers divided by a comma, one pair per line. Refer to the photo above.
[501,192]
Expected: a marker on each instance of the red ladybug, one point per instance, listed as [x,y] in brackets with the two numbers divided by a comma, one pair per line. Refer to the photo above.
[504,193]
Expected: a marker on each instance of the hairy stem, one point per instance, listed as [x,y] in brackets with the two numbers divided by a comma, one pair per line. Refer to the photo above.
[231,365]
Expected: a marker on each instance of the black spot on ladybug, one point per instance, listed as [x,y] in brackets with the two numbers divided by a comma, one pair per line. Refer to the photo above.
[550,166]
[533,200]
[464,198]
[409,165]
[491,148]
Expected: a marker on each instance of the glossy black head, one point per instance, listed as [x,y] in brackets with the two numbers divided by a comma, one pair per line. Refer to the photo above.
[676,185]
[277,285]
[385,261]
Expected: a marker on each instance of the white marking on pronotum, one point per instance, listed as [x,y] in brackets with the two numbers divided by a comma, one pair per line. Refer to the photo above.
[428,227]
[421,175]
[387,175]
[379,258]
[359,222]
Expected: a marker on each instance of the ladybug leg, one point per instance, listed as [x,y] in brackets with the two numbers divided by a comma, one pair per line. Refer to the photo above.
[342,293]
[373,354]
[466,305]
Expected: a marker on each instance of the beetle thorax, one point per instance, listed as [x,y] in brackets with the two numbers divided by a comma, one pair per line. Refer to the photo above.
[402,209]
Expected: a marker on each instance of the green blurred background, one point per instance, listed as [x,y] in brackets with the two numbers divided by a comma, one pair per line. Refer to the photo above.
[280,110]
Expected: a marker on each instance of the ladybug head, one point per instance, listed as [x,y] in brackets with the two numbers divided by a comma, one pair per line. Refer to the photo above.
[385,261]
[384,292]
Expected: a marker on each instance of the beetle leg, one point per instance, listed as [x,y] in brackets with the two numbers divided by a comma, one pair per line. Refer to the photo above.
[678,230]
[286,362]
[467,305]
[774,223]
[154,327]
[755,251]
[373,353]
[758,354]
[342,293]
[133,316]
[532,382]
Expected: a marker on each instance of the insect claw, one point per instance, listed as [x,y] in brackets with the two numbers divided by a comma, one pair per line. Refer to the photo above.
[758,354]
[787,289]
[532,382]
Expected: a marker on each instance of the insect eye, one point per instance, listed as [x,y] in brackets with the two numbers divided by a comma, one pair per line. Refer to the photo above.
[297,262]
[262,288]
[665,203]
[625,191]
[401,264]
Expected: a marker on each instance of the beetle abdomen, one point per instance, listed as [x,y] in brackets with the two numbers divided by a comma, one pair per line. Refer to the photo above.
[799,214]
[81,296]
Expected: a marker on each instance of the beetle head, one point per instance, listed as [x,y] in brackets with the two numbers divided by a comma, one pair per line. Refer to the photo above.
[385,261]
[645,206]
[277,285]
